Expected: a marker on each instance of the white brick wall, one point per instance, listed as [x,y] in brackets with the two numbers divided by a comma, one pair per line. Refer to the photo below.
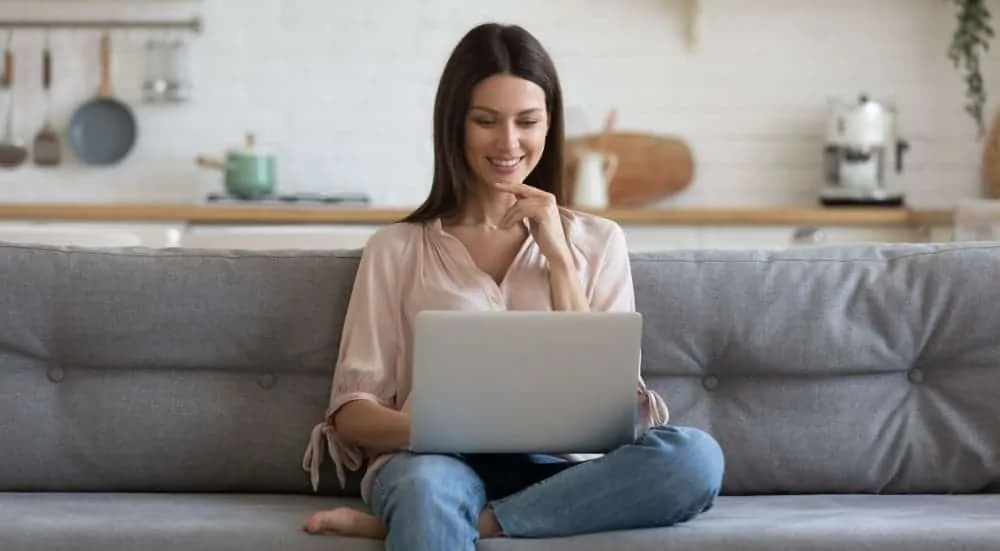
[343,90]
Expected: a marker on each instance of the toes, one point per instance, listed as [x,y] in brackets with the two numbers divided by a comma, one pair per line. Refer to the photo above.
[345,522]
[317,523]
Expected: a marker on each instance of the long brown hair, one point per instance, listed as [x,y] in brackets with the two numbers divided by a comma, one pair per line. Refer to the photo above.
[486,50]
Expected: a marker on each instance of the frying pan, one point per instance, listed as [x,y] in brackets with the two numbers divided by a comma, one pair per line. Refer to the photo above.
[103,130]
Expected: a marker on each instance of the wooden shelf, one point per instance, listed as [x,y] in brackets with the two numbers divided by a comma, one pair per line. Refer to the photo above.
[194,24]
[239,214]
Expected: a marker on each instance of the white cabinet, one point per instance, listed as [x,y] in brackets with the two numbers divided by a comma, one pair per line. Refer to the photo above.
[746,237]
[782,237]
[654,239]
[255,237]
[871,235]
[91,234]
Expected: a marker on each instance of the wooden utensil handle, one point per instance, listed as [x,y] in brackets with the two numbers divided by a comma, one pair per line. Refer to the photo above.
[210,162]
[47,69]
[8,68]
[106,65]
[609,128]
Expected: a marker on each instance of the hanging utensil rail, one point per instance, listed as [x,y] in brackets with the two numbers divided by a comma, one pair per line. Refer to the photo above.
[194,24]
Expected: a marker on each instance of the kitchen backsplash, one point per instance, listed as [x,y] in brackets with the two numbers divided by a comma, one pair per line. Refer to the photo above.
[343,91]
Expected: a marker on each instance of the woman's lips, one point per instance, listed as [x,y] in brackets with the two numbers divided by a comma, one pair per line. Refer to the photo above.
[505,165]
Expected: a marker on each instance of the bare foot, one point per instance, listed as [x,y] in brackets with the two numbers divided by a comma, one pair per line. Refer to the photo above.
[345,521]
[488,526]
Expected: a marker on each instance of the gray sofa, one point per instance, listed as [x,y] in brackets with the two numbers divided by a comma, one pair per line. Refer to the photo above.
[162,399]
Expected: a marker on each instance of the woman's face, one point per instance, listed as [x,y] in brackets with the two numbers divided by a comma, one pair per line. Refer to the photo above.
[505,129]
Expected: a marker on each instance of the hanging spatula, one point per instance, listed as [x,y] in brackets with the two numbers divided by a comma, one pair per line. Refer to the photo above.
[47,147]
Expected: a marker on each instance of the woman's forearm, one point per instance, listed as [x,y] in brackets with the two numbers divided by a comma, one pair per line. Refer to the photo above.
[567,290]
[373,427]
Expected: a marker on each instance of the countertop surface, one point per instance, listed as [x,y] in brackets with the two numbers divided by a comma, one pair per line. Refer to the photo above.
[302,214]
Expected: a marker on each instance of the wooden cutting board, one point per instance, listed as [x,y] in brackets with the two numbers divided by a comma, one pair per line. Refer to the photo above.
[651,167]
[991,160]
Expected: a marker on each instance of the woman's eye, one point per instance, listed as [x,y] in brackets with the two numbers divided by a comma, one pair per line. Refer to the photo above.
[491,122]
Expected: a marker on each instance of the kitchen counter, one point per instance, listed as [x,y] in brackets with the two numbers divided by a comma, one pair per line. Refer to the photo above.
[292,214]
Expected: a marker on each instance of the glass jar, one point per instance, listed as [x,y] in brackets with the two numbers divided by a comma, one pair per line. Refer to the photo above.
[168,72]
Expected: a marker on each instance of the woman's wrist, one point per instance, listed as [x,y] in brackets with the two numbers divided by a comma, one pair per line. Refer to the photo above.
[561,265]
[566,287]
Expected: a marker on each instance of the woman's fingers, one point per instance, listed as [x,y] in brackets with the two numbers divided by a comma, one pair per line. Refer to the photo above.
[531,203]
[533,208]
[520,190]
[514,213]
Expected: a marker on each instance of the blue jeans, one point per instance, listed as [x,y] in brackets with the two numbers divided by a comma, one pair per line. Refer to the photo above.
[433,502]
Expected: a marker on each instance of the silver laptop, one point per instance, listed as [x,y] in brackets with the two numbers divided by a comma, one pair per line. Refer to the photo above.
[524,381]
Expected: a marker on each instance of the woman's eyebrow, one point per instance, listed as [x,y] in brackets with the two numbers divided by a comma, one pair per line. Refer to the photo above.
[531,111]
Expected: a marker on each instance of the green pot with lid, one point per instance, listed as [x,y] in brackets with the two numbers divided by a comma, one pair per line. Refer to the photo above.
[249,173]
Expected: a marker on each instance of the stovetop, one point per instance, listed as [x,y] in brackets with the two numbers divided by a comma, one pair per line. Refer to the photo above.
[355,199]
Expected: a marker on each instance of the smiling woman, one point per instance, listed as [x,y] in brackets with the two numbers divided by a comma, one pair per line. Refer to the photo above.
[492,235]
[498,116]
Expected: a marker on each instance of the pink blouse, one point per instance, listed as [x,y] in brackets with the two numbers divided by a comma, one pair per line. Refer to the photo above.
[407,268]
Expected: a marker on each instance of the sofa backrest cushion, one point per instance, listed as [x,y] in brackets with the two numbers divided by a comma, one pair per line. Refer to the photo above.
[854,368]
[167,370]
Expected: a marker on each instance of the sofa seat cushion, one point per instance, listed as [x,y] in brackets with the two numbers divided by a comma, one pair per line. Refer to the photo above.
[152,522]
[158,522]
[836,523]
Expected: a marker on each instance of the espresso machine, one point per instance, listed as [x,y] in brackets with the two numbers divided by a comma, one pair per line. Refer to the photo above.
[861,142]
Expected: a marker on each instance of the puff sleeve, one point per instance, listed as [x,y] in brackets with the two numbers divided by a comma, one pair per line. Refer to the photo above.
[368,355]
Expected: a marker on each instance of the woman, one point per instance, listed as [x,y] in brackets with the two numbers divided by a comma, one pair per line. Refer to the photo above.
[492,235]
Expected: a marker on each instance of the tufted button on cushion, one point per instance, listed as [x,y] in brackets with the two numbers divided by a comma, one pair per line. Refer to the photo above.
[267,380]
[55,374]
[915,376]
[710,382]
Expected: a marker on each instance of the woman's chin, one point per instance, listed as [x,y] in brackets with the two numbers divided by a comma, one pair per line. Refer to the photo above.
[493,174]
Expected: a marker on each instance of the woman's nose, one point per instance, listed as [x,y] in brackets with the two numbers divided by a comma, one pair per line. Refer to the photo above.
[508,137]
